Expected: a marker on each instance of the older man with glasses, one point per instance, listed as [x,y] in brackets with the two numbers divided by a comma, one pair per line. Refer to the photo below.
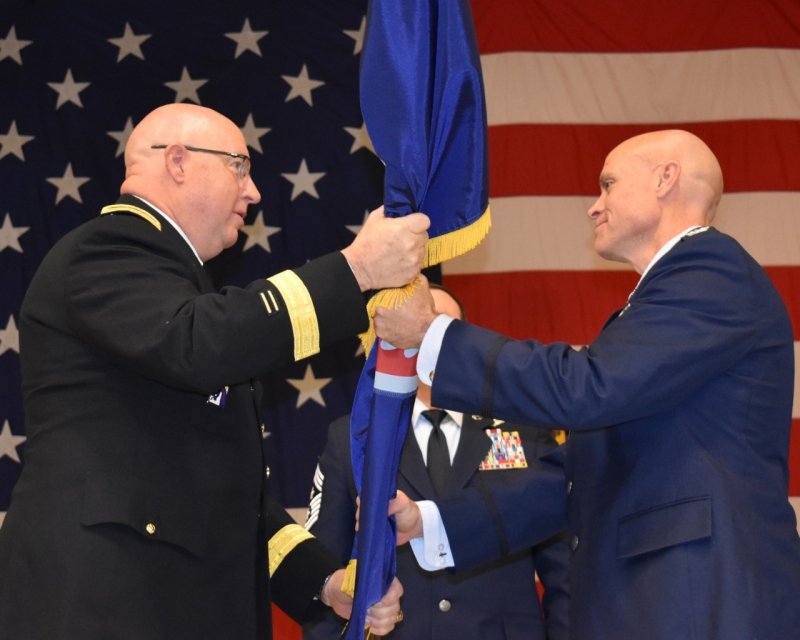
[142,510]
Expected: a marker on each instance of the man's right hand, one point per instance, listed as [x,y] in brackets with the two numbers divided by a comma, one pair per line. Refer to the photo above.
[388,252]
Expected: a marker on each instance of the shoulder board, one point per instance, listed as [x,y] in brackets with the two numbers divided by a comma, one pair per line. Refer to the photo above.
[137,211]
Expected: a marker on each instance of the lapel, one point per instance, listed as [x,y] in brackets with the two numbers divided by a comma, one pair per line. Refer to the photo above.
[473,445]
[413,469]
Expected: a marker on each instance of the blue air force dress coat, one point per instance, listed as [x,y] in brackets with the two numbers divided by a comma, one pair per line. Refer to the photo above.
[142,510]
[676,467]
[498,600]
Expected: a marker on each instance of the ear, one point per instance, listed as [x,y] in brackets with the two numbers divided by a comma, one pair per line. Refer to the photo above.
[667,177]
[174,159]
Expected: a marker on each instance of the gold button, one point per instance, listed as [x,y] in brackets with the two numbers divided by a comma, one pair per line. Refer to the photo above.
[266,471]
[263,427]
[431,374]
[150,528]
[444,606]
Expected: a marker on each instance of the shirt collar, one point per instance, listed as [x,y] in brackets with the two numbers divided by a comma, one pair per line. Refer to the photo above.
[419,407]
[174,224]
[665,249]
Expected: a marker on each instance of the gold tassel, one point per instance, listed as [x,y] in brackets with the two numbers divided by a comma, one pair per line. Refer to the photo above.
[441,248]
[349,582]
[458,242]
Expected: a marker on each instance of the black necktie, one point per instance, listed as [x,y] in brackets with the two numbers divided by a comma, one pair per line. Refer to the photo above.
[438,454]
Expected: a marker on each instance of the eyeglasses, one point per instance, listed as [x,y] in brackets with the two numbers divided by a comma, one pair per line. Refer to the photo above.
[242,168]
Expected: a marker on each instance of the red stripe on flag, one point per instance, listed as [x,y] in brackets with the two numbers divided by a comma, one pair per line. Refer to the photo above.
[565,306]
[625,26]
[527,159]
[569,306]
[283,627]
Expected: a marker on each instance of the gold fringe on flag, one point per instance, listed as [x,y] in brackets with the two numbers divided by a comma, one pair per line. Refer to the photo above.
[458,242]
[349,582]
[439,249]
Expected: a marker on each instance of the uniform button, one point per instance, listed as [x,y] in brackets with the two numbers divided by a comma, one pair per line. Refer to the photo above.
[431,374]
[267,472]
[444,606]
[569,484]
[441,547]
[150,528]
[263,427]
[573,543]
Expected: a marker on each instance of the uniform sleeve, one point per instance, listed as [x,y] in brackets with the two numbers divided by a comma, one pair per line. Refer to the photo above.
[551,557]
[298,565]
[486,523]
[132,294]
[694,317]
[336,516]
[332,515]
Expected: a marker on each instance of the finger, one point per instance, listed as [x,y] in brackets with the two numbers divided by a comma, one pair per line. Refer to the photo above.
[417,222]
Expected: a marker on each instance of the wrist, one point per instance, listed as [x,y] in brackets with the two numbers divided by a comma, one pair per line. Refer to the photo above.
[358,272]
[322,595]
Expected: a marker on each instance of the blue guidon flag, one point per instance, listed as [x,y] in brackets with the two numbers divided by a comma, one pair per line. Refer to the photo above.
[423,104]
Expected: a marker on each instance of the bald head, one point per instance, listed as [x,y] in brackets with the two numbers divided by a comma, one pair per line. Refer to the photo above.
[185,123]
[652,188]
[699,180]
[197,175]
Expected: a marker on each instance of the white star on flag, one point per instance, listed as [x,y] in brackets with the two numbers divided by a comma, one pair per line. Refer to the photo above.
[9,337]
[246,39]
[252,133]
[302,86]
[9,442]
[358,36]
[12,142]
[258,233]
[129,43]
[10,46]
[360,138]
[186,88]
[303,181]
[355,228]
[122,137]
[69,90]
[9,236]
[309,388]
[68,185]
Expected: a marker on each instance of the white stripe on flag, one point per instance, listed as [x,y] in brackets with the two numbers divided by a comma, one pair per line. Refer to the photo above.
[612,88]
[541,233]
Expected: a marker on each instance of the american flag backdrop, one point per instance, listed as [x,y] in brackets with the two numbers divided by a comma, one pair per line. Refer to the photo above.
[566,80]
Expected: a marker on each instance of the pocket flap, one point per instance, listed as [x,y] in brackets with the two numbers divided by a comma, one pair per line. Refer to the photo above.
[664,526]
[147,508]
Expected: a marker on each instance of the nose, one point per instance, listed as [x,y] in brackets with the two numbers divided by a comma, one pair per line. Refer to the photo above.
[597,208]
[250,193]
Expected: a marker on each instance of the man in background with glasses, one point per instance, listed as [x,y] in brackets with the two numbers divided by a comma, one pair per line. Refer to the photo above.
[142,510]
